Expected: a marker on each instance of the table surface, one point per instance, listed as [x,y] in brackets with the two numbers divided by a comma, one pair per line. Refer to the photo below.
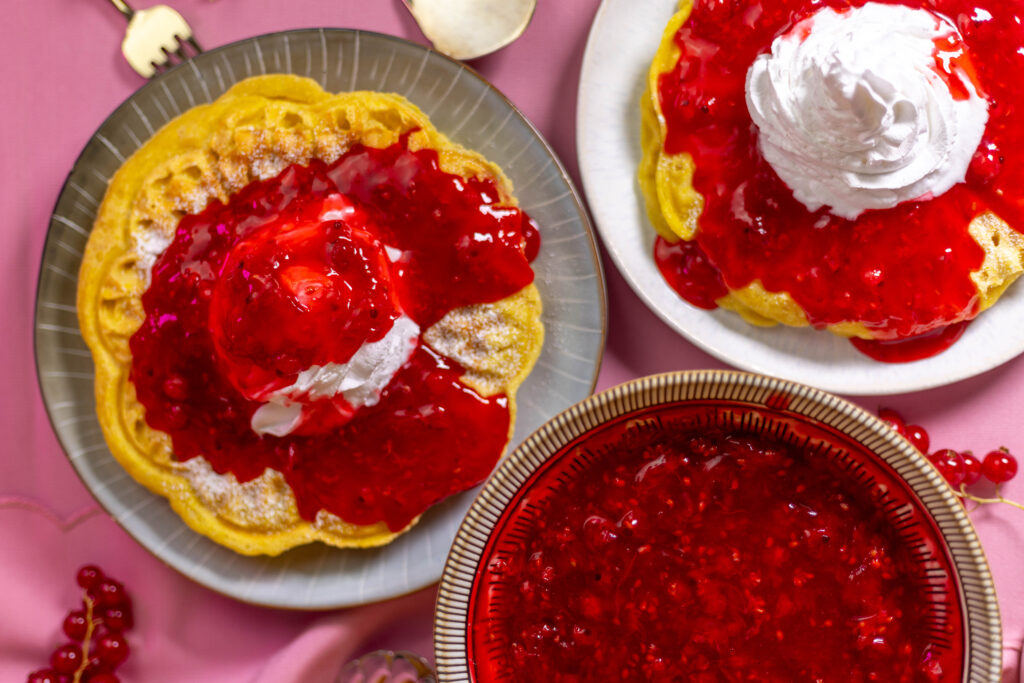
[63,75]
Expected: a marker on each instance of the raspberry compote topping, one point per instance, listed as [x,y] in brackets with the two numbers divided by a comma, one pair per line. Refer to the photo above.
[302,271]
[320,270]
[905,270]
[672,545]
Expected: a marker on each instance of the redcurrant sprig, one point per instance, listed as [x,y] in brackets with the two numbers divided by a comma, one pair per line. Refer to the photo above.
[999,466]
[96,631]
[959,469]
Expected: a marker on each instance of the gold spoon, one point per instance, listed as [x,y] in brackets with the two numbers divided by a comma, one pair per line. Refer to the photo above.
[466,29]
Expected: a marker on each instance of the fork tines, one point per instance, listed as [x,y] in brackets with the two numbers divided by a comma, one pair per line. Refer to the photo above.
[187,48]
[157,38]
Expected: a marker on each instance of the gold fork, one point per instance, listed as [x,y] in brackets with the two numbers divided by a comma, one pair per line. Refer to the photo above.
[155,38]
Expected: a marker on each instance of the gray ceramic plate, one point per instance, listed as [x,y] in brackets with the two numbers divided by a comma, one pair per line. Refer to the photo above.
[469,111]
[826,425]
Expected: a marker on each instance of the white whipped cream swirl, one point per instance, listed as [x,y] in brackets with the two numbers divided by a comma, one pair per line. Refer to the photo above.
[853,114]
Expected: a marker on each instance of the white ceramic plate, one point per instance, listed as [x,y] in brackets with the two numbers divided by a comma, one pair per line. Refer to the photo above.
[623,40]
[468,110]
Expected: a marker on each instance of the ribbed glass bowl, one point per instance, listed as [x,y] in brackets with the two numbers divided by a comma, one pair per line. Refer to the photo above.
[385,666]
[819,424]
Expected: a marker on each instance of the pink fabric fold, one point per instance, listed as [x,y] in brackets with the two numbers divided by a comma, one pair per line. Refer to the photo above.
[322,649]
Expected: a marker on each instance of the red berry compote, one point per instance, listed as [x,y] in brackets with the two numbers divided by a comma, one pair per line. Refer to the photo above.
[303,271]
[693,543]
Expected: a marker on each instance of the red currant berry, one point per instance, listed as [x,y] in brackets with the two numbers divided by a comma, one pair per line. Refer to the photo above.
[48,676]
[999,466]
[95,667]
[893,419]
[76,625]
[972,468]
[917,435]
[109,593]
[43,676]
[118,619]
[66,659]
[88,576]
[104,677]
[112,649]
[950,465]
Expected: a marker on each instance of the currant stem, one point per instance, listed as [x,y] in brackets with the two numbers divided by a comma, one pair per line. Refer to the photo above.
[998,499]
[964,498]
[90,626]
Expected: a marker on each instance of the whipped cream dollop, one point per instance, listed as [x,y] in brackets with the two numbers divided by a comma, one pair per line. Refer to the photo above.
[359,381]
[853,112]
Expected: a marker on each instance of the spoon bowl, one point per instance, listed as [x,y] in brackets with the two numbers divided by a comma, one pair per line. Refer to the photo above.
[467,29]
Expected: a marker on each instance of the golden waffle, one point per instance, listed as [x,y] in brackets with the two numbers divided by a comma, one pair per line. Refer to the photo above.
[253,132]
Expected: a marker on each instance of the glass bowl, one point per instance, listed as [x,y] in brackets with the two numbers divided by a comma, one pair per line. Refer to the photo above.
[897,491]
[385,666]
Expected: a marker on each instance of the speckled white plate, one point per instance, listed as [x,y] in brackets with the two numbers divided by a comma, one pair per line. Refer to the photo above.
[623,40]
[464,107]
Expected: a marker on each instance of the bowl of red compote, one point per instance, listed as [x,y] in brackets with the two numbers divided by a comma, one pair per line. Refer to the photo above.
[716,526]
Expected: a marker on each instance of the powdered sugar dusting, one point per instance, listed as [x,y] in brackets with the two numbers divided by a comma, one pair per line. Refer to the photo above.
[483,340]
[148,246]
[268,166]
[265,502]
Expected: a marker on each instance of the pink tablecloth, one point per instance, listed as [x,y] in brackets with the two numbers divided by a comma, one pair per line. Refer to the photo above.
[62,75]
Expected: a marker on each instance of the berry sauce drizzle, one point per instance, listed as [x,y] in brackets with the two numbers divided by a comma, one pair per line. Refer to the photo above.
[672,545]
[303,269]
[913,348]
[902,271]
